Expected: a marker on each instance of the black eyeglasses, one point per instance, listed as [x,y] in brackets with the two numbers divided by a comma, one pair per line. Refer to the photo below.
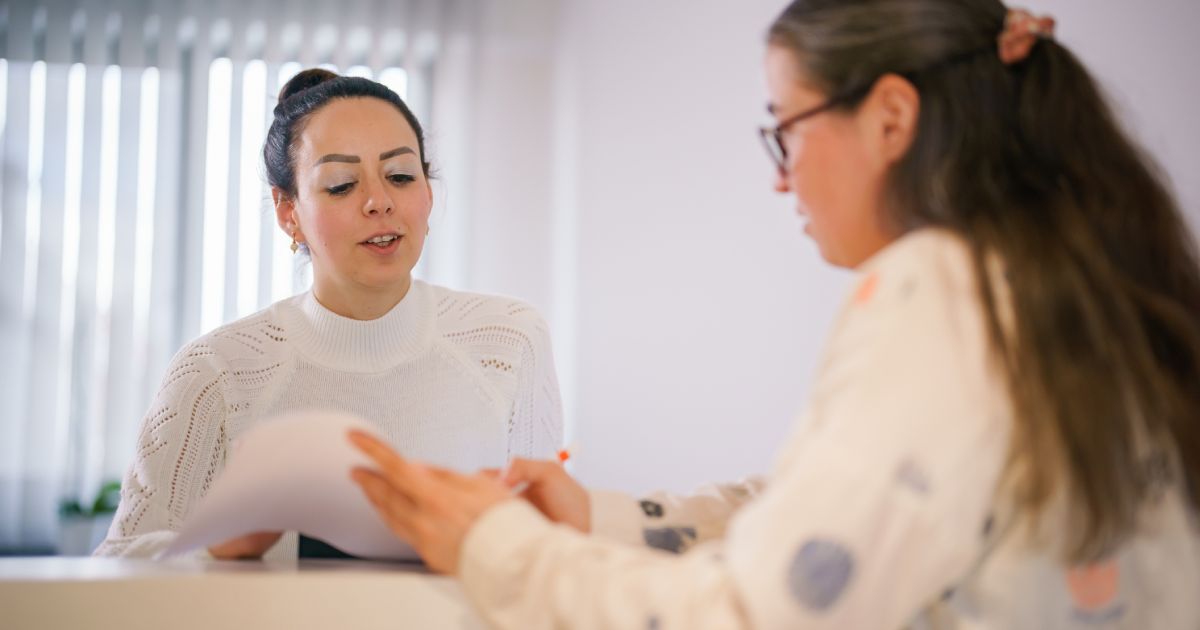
[772,137]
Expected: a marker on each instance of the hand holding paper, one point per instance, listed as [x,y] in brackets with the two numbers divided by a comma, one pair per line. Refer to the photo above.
[292,473]
[432,507]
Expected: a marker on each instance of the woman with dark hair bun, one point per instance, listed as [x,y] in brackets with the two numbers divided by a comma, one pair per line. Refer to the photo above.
[463,380]
[1005,428]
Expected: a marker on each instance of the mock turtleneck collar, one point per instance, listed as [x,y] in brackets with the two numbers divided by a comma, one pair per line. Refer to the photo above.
[352,345]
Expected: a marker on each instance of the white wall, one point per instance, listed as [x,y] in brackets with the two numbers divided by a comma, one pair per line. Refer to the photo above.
[512,174]
[629,198]
[700,305]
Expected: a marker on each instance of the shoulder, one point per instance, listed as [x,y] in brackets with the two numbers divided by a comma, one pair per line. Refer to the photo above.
[925,265]
[458,310]
[922,290]
[910,365]
[932,252]
[491,325]
[261,335]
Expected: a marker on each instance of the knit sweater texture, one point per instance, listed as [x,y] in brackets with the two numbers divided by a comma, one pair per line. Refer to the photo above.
[450,378]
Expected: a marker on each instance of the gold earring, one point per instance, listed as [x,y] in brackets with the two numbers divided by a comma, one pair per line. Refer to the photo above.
[294,245]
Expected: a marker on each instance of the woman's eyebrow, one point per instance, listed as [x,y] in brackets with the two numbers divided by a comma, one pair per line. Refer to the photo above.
[394,152]
[338,157]
[354,159]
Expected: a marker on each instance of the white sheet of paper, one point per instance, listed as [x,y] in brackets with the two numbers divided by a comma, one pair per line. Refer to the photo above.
[292,473]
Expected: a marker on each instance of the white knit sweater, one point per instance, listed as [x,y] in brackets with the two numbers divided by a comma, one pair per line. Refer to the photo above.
[456,379]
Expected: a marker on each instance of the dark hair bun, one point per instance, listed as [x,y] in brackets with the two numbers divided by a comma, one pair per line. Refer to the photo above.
[303,80]
[304,94]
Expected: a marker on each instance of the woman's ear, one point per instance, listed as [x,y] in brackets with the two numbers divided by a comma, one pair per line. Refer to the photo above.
[285,213]
[895,109]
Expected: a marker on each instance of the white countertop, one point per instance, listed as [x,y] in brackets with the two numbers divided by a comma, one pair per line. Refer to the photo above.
[57,592]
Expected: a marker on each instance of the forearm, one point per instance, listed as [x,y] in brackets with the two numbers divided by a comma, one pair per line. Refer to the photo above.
[670,522]
[523,572]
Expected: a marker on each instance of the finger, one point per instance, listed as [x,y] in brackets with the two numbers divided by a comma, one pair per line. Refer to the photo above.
[400,515]
[250,545]
[529,471]
[500,478]
[424,482]
[400,473]
[443,474]
[460,481]
[393,506]
[369,445]
[491,473]
[378,487]
[263,539]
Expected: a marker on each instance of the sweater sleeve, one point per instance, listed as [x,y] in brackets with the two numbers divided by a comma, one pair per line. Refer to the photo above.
[870,513]
[670,522]
[536,424]
[180,448]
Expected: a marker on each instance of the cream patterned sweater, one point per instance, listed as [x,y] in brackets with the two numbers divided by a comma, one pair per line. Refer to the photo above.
[456,379]
[882,511]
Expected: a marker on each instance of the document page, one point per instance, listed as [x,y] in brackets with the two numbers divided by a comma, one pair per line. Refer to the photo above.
[292,473]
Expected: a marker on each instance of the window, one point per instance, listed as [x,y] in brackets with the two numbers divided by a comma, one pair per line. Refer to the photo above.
[135,213]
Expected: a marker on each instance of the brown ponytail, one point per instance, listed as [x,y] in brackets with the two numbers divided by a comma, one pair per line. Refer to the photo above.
[1027,161]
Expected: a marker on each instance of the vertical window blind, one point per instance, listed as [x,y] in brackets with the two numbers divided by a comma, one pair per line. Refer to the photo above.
[135,213]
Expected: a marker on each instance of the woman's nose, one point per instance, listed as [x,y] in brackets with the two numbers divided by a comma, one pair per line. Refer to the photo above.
[378,200]
[781,181]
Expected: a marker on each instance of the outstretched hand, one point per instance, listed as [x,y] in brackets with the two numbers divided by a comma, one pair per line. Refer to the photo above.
[430,508]
[551,490]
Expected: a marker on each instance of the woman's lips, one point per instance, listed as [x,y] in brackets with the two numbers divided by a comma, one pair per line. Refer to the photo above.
[385,248]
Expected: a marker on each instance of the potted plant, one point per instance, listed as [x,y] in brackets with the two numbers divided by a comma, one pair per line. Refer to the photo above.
[82,528]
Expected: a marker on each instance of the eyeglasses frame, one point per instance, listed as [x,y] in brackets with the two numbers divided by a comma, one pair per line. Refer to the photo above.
[772,137]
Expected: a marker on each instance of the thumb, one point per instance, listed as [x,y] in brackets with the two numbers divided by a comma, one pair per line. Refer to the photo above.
[529,471]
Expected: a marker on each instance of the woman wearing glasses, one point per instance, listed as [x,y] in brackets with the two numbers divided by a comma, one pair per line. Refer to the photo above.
[1005,430]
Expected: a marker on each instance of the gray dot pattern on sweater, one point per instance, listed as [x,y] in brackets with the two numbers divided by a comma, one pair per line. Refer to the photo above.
[673,539]
[653,509]
[819,573]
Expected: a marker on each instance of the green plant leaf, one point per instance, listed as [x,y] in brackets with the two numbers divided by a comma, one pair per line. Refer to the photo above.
[70,508]
[108,499]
